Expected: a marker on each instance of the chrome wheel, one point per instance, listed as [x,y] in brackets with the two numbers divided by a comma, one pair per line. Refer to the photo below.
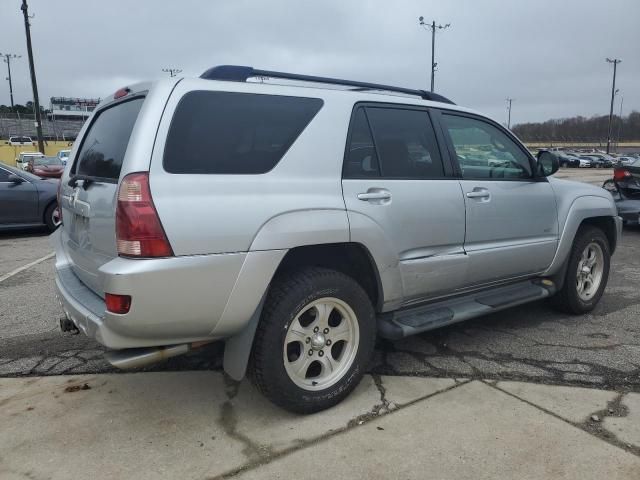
[321,343]
[56,220]
[590,270]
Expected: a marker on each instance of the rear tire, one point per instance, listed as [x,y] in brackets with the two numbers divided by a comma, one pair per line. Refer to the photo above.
[52,217]
[587,272]
[314,341]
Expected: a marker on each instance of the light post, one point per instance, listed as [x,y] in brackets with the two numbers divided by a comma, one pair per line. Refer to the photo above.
[509,100]
[7,60]
[433,27]
[172,71]
[615,62]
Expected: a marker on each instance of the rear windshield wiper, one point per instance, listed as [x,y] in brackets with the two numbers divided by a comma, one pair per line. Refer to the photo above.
[86,181]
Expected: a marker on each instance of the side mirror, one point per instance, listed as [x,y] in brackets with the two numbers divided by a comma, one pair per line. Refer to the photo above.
[15,178]
[547,164]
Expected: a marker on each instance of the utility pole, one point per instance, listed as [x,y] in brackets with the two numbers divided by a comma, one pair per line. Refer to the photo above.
[7,60]
[509,100]
[619,124]
[172,71]
[433,27]
[615,62]
[34,84]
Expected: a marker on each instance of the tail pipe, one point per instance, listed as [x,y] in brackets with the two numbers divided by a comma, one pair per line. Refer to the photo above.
[129,358]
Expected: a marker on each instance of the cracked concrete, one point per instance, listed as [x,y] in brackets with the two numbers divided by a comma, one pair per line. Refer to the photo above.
[203,425]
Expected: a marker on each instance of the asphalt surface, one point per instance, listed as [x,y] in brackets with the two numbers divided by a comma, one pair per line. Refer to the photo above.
[532,342]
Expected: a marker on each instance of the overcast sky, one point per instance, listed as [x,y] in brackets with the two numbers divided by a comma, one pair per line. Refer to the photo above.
[547,54]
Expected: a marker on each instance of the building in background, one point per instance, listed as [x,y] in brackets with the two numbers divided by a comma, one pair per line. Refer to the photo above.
[68,108]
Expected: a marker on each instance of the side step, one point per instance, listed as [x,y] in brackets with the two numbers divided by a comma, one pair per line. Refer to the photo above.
[410,321]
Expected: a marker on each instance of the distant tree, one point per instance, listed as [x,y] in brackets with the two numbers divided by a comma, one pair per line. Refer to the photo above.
[580,129]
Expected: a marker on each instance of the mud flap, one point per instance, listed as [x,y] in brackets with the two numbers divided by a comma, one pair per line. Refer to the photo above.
[238,348]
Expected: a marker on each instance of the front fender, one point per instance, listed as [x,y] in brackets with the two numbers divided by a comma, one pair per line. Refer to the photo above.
[580,209]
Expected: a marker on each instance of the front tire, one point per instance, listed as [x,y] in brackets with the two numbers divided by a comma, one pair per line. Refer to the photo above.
[314,341]
[587,272]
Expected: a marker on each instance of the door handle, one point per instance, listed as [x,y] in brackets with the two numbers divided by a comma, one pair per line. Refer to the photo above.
[374,196]
[484,193]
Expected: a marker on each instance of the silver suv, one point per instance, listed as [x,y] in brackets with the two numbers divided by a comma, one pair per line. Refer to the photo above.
[298,218]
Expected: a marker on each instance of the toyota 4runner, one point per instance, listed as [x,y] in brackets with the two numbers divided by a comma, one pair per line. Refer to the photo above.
[298,218]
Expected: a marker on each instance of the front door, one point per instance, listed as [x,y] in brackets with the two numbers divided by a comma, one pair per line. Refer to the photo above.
[512,222]
[19,200]
[399,193]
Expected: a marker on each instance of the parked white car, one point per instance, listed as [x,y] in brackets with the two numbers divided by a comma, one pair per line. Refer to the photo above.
[23,159]
[17,141]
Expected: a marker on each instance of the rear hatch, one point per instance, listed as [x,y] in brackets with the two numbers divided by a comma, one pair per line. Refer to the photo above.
[88,192]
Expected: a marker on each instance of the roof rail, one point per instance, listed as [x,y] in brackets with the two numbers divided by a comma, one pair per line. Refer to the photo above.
[238,73]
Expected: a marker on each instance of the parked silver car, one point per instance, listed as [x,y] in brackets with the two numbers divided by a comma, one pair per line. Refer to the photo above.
[299,222]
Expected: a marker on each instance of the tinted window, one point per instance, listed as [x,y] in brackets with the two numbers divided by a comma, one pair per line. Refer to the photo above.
[234,133]
[361,159]
[104,145]
[484,151]
[405,143]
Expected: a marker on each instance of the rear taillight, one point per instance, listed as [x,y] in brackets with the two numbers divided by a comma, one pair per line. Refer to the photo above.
[620,174]
[58,199]
[117,303]
[139,232]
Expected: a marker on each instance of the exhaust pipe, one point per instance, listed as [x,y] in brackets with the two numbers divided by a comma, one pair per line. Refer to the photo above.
[129,358]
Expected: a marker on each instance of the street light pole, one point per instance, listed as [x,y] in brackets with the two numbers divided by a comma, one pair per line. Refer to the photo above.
[433,27]
[34,84]
[172,71]
[509,109]
[619,124]
[7,60]
[615,62]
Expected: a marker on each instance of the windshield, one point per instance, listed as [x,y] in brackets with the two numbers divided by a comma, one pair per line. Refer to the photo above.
[635,163]
[47,161]
[21,173]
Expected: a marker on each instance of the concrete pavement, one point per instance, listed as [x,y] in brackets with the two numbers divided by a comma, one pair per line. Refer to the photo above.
[197,425]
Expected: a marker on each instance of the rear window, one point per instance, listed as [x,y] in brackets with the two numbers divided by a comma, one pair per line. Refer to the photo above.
[234,133]
[105,143]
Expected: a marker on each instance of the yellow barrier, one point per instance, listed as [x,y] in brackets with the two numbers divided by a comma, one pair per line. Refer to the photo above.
[9,153]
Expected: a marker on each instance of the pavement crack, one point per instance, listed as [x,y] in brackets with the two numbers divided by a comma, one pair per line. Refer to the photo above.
[589,426]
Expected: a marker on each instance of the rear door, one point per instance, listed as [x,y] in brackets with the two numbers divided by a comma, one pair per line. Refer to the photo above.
[89,203]
[511,222]
[398,190]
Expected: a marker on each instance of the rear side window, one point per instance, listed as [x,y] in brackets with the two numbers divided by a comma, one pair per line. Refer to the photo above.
[405,143]
[234,133]
[105,143]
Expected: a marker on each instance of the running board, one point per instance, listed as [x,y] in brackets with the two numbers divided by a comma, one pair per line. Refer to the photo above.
[410,321]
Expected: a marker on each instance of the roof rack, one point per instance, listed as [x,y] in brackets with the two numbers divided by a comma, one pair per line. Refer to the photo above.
[238,73]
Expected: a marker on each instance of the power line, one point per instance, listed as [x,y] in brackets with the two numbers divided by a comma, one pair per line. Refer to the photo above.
[172,71]
[615,62]
[7,60]
[32,69]
[433,27]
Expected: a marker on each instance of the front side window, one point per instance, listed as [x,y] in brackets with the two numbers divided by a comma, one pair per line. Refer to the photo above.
[105,144]
[484,151]
[234,133]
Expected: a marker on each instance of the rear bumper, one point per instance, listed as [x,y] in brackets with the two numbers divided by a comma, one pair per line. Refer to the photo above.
[174,300]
